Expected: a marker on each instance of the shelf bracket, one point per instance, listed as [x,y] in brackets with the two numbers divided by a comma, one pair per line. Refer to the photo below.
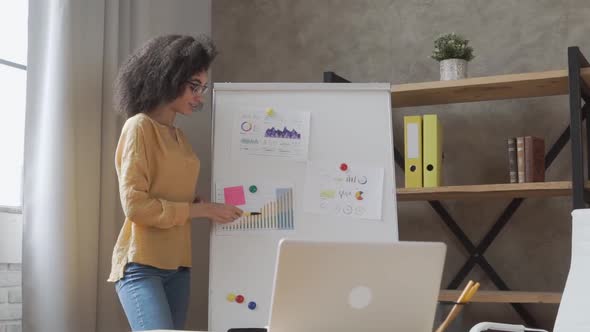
[578,90]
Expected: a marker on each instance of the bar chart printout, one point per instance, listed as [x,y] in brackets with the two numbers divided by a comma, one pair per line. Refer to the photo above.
[266,207]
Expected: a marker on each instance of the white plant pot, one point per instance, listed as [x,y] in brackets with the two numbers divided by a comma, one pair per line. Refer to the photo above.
[453,69]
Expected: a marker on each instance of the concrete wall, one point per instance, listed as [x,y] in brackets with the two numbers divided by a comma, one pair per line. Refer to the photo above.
[391,41]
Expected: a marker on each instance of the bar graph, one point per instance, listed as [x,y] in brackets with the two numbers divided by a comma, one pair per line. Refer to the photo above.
[274,214]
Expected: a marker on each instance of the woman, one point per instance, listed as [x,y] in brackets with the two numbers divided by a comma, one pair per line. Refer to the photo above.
[158,172]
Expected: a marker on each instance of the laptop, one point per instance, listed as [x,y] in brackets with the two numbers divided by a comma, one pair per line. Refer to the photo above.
[360,287]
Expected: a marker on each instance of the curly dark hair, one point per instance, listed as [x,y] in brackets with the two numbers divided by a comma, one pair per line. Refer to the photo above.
[157,72]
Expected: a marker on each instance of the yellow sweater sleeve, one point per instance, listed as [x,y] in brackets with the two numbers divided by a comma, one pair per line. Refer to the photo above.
[134,183]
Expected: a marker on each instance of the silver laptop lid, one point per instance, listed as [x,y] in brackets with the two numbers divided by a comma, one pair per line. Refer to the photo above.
[335,286]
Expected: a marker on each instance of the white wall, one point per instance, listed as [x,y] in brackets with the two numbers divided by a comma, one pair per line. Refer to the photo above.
[11,235]
[11,230]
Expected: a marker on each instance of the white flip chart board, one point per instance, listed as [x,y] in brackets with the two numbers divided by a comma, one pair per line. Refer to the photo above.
[309,161]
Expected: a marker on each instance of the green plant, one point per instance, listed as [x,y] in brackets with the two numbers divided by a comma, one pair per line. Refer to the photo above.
[452,46]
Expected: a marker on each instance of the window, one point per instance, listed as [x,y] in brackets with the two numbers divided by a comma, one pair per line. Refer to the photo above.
[13,80]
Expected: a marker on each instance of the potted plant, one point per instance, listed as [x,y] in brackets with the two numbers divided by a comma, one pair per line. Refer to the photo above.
[453,53]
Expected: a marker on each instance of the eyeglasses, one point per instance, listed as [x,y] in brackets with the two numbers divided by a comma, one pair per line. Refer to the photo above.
[198,88]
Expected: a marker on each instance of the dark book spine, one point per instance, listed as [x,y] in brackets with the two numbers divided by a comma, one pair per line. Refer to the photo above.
[534,148]
[520,159]
[512,167]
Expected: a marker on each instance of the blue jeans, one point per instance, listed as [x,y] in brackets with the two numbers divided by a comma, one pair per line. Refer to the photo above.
[154,298]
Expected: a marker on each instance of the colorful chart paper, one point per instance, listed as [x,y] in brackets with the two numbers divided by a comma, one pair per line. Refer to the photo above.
[344,189]
[275,134]
[270,206]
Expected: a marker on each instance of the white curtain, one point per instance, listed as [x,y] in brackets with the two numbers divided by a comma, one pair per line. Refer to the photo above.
[69,187]
[71,212]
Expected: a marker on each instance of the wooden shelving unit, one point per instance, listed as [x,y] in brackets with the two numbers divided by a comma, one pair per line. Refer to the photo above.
[504,297]
[484,191]
[541,84]
[526,85]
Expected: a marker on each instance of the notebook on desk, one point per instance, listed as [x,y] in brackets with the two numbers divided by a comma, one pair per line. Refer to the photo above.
[374,287]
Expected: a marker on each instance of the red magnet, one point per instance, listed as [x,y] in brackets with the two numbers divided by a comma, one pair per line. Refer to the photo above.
[239,299]
[343,167]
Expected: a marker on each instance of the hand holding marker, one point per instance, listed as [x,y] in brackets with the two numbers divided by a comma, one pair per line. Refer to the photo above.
[251,214]
[253,188]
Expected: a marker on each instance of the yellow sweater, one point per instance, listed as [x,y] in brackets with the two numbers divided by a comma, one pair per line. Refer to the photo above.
[157,179]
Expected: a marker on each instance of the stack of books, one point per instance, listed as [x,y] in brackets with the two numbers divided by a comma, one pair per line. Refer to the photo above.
[526,159]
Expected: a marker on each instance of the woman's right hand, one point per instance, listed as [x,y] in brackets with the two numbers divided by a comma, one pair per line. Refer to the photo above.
[217,212]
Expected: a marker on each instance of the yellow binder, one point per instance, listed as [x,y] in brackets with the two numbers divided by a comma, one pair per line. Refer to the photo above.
[432,135]
[413,151]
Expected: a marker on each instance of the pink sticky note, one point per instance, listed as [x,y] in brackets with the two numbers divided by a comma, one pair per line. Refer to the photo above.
[234,195]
